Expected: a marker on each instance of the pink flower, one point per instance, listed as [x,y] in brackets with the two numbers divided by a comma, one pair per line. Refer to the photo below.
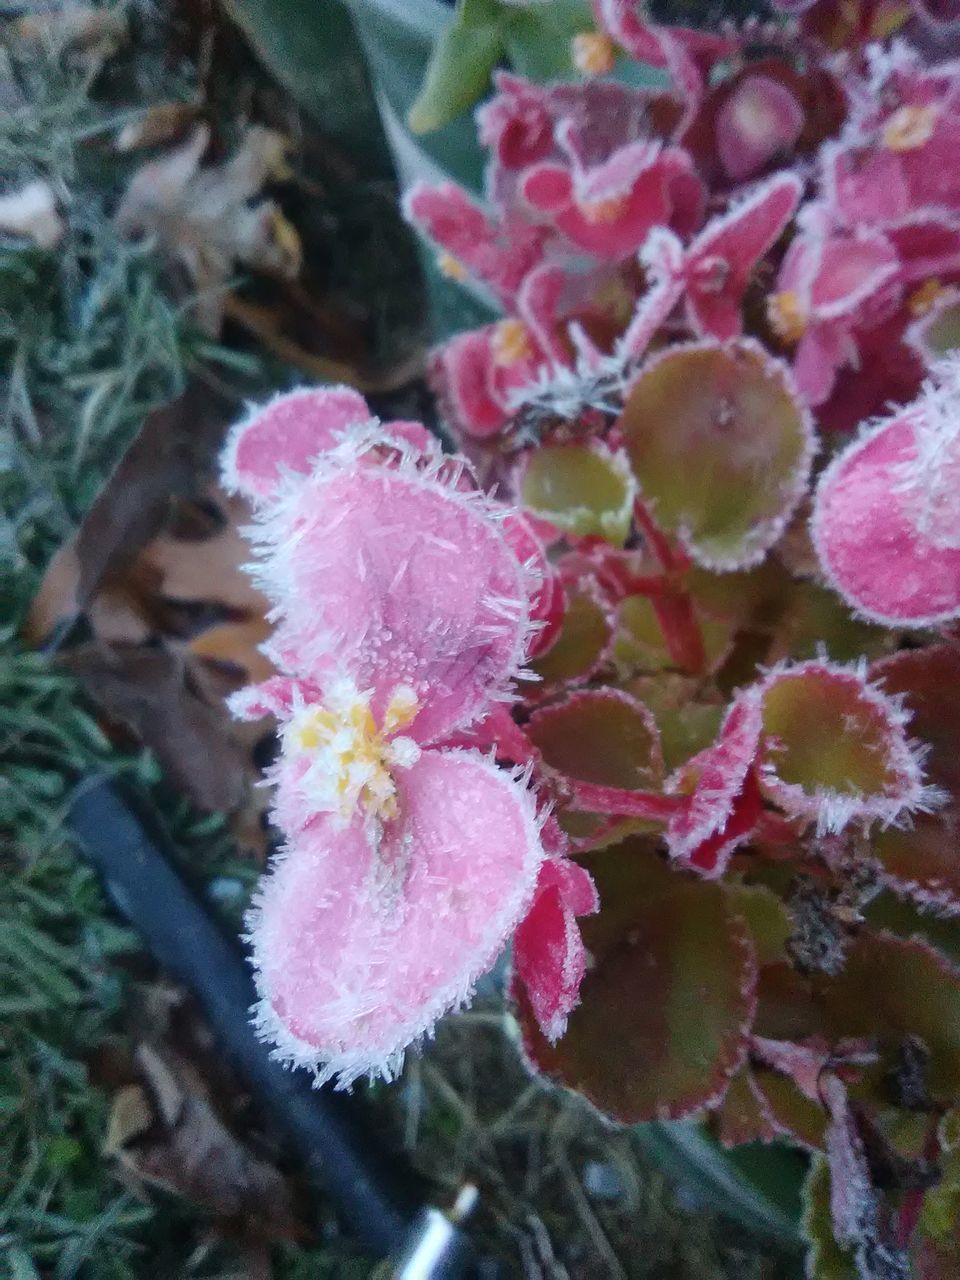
[403,608]
[607,209]
[886,521]
[759,122]
[714,272]
[833,282]
[497,253]
[897,153]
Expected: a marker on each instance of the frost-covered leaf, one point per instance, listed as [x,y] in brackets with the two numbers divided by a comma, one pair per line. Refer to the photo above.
[894,987]
[639,643]
[746,442]
[583,642]
[600,735]
[835,748]
[826,1260]
[582,489]
[923,859]
[667,999]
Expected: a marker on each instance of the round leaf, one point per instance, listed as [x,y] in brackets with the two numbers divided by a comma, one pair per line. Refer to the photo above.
[746,444]
[582,489]
[668,997]
[582,644]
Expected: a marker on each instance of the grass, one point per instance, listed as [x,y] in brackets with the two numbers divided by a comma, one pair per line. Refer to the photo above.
[90,342]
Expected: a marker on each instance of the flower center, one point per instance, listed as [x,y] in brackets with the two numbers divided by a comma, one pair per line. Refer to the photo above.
[450,266]
[608,210]
[909,128]
[787,315]
[349,758]
[592,53]
[511,342]
[924,299]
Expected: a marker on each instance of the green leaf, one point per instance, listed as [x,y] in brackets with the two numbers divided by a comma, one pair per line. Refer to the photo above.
[744,439]
[312,49]
[538,38]
[600,735]
[463,58]
[582,489]
[581,644]
[667,1000]
[894,987]
[825,1259]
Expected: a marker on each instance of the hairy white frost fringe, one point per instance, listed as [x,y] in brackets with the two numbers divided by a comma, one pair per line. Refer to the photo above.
[437,472]
[873,427]
[833,810]
[345,1066]
[767,532]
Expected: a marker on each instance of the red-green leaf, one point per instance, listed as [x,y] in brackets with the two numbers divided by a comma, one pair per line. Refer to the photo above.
[746,444]
[668,998]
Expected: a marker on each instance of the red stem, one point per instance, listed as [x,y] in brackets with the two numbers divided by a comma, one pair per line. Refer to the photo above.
[591,797]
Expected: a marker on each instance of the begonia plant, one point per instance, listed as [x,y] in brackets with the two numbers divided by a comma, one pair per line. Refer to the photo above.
[657,677]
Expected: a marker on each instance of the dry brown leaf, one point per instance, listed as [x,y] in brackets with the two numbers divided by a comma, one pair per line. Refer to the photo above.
[207,219]
[186,1149]
[150,691]
[130,1116]
[163,122]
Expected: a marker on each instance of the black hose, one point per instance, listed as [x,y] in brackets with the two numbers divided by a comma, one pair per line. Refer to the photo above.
[323,1127]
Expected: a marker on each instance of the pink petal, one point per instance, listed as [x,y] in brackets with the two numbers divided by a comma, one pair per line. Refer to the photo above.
[868,529]
[548,188]
[823,350]
[362,942]
[275,697]
[288,434]
[620,19]
[927,243]
[550,960]
[705,832]
[398,578]
[722,259]
[538,305]
[548,602]
[463,372]
[852,270]
[760,121]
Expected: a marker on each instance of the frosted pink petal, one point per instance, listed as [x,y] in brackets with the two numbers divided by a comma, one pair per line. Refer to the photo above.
[288,434]
[705,832]
[760,121]
[721,260]
[398,578]
[465,366]
[275,697]
[621,19]
[548,602]
[538,305]
[868,529]
[362,944]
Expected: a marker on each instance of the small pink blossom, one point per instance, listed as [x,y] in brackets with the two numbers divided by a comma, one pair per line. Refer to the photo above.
[403,609]
[608,209]
[886,520]
[897,152]
[714,271]
[497,253]
[759,123]
[832,283]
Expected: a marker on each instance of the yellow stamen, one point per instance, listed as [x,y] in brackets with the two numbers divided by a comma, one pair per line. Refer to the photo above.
[909,128]
[450,266]
[592,53]
[787,315]
[926,297]
[511,342]
[350,760]
[608,210]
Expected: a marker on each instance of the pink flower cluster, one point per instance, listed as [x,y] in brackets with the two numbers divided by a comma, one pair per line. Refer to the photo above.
[607,205]
[405,604]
